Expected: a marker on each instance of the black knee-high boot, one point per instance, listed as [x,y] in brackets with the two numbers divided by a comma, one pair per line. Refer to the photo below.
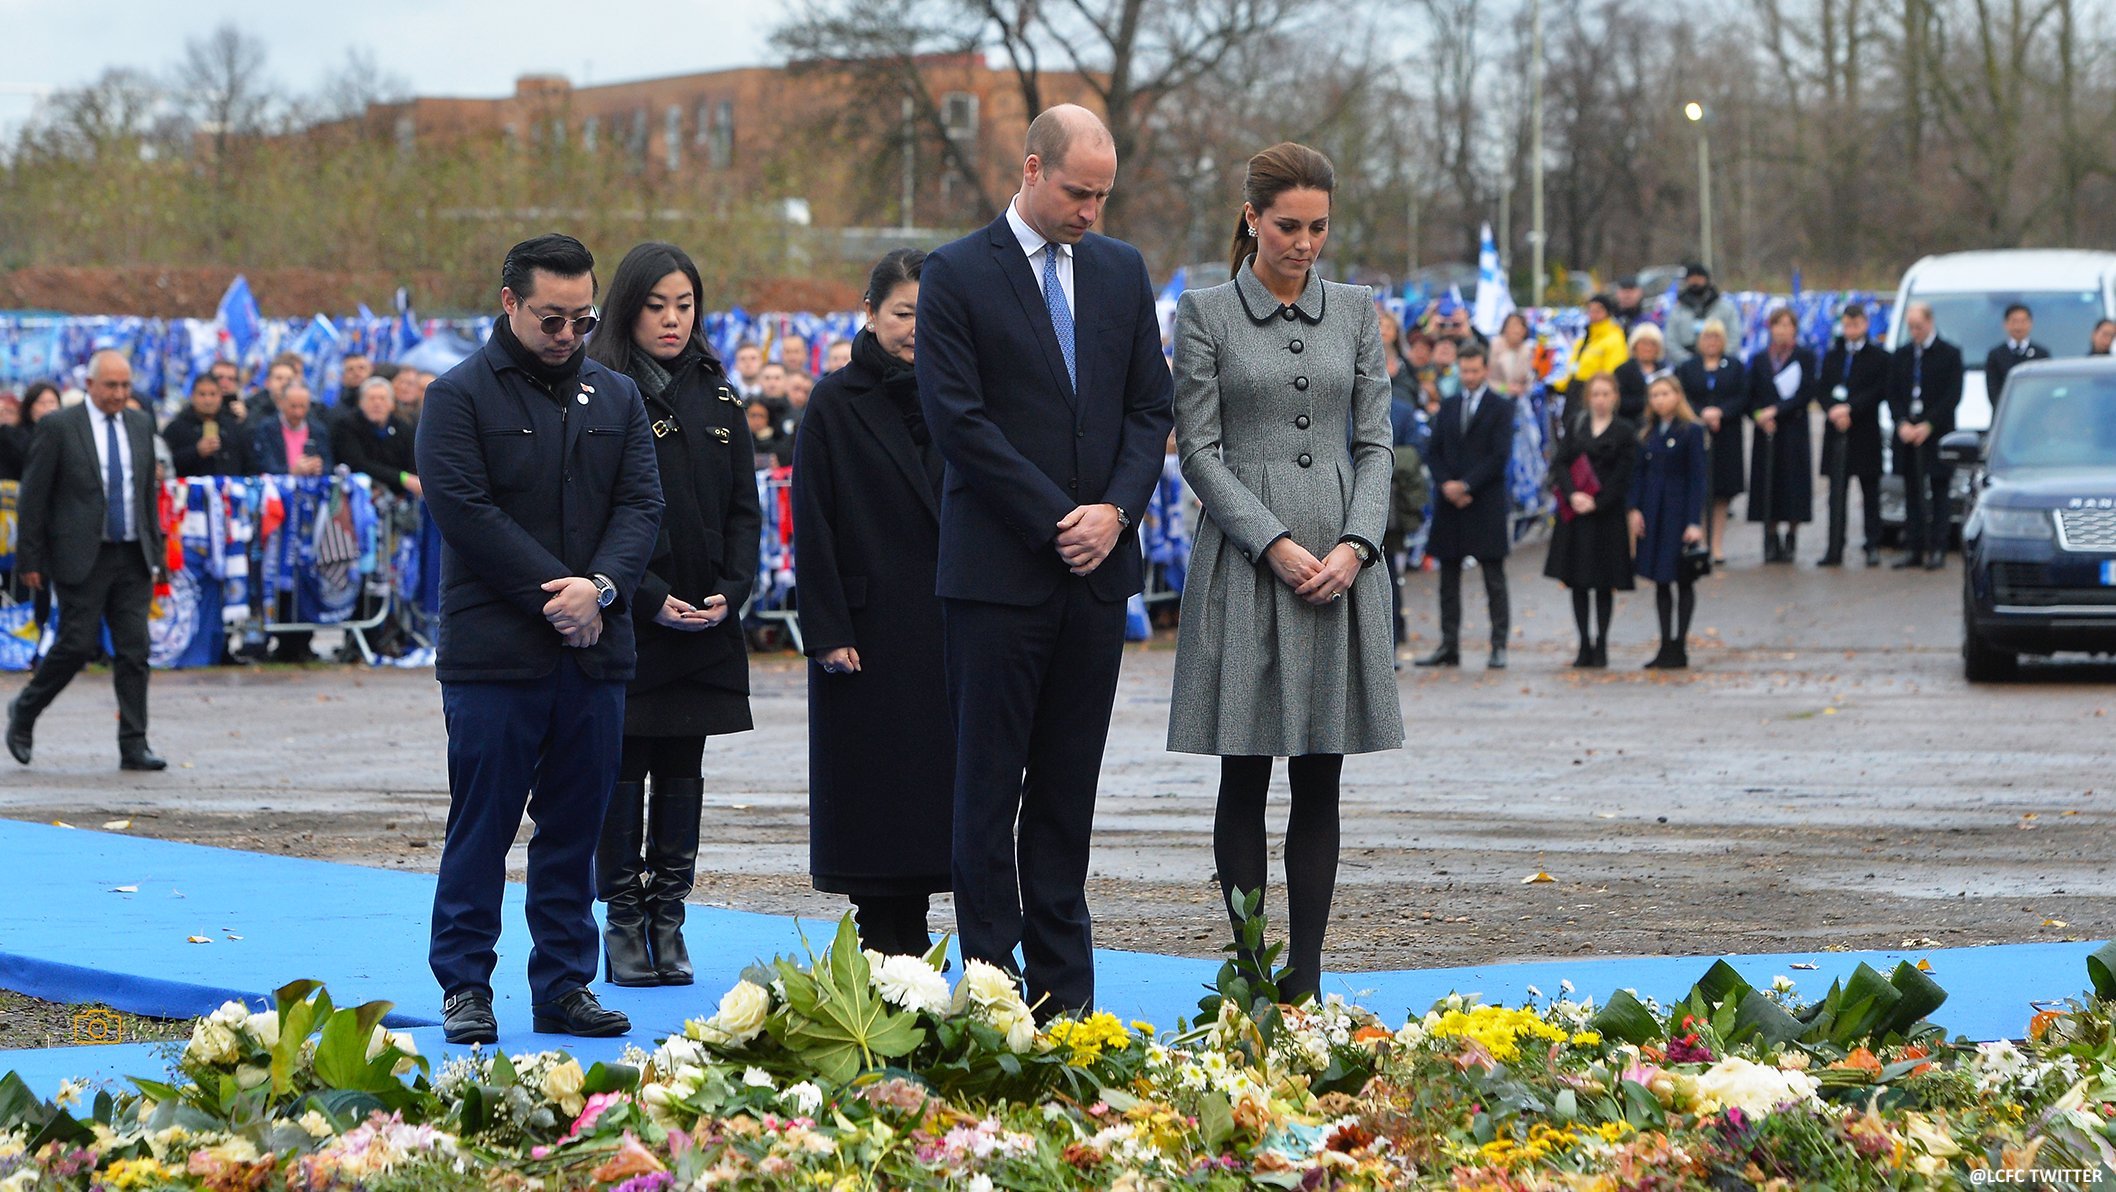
[672,866]
[1585,657]
[1604,608]
[627,959]
[1679,645]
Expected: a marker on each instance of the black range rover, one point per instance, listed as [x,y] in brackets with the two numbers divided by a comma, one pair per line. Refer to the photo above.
[2039,542]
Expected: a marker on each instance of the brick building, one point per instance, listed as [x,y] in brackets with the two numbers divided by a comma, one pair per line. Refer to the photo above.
[822,142]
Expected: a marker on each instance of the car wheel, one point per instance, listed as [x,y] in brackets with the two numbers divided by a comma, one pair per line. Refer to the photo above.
[1983,662]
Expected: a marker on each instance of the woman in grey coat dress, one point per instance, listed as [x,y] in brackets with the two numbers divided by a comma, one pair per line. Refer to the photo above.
[1286,647]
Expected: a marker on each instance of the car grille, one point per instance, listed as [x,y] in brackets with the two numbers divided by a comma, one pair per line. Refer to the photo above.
[2088,529]
[2027,585]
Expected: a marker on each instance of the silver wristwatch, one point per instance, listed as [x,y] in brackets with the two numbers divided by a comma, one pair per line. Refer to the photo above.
[605,591]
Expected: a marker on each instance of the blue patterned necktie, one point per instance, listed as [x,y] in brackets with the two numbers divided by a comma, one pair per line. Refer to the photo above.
[113,483]
[1061,314]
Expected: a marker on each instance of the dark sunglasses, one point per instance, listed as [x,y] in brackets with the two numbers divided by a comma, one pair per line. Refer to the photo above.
[581,325]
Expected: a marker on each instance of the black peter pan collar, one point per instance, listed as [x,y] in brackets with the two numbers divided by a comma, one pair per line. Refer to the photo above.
[1263,308]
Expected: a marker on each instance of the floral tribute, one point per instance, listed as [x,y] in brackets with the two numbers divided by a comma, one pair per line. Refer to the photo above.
[852,1070]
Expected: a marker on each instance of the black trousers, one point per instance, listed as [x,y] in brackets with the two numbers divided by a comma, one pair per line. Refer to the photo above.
[1868,475]
[1494,573]
[118,592]
[1032,690]
[1929,516]
[550,745]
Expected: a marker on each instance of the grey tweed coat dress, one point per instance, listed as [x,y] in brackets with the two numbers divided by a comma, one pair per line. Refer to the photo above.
[1265,394]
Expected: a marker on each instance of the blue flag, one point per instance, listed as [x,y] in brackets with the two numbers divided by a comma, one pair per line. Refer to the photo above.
[240,323]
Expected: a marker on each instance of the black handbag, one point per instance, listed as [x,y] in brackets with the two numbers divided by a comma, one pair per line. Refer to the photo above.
[1696,562]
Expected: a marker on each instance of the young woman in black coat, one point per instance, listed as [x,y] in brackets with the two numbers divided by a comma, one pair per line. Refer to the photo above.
[1784,380]
[881,736]
[1717,387]
[693,676]
[1590,551]
[1668,501]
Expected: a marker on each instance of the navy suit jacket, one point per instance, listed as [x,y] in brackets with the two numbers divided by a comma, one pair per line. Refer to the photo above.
[1023,448]
[526,490]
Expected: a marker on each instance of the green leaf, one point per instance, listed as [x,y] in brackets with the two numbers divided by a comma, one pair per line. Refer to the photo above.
[1867,1001]
[1625,1019]
[18,1106]
[1719,983]
[1566,1106]
[847,1024]
[164,1093]
[2101,970]
[294,991]
[1765,1021]
[610,1078]
[1641,1109]
[1920,996]
[503,1073]
[296,1019]
[1215,1122]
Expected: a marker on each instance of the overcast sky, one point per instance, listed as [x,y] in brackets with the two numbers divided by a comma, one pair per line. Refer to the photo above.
[440,47]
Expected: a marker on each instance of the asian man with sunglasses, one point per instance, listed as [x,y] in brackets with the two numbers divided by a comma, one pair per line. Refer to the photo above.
[539,470]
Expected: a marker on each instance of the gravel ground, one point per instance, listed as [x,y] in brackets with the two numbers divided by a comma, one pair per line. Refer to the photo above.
[1823,777]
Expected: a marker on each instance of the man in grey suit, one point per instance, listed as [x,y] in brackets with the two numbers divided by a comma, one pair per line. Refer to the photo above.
[88,525]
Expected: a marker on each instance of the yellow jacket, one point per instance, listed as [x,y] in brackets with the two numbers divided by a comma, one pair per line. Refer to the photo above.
[1600,351]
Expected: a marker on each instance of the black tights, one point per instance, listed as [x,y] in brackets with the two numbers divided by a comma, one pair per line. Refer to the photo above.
[893,924]
[1681,603]
[1240,853]
[668,759]
[1604,607]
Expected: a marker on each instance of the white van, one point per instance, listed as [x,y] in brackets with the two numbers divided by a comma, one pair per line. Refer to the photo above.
[2067,290]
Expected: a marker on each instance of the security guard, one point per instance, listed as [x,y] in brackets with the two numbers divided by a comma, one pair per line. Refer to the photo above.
[1855,373]
[540,473]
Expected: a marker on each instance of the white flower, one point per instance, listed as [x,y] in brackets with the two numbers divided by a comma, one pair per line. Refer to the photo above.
[984,985]
[805,1097]
[758,1078]
[263,1026]
[213,1043]
[564,1084]
[230,1014]
[675,1052]
[743,1011]
[1755,1089]
[980,1183]
[314,1124]
[1781,984]
[911,983]
[69,1093]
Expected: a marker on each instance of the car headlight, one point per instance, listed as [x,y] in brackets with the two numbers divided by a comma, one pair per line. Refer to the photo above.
[2017,523]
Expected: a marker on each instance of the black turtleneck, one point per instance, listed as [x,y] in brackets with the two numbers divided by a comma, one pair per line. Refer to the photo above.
[548,377]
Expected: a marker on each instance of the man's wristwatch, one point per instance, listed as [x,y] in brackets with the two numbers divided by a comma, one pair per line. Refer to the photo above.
[605,591]
[1123,518]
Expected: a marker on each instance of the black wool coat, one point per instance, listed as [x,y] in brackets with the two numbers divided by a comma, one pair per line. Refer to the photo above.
[383,453]
[187,428]
[1781,479]
[881,743]
[1865,387]
[709,525]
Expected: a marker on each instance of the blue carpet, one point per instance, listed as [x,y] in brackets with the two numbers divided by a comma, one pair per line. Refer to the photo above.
[106,917]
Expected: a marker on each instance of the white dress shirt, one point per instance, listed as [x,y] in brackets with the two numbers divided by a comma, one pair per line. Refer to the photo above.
[100,423]
[1035,247]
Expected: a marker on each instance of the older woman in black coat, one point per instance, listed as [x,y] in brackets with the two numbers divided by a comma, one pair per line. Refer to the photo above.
[881,739]
[692,680]
[1784,380]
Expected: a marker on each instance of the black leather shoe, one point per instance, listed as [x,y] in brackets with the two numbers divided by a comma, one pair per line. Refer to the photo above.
[1659,659]
[1444,656]
[1832,559]
[1678,657]
[142,758]
[1907,562]
[1873,557]
[1935,562]
[18,731]
[1585,658]
[578,1013]
[1600,658]
[466,1017]
[1498,659]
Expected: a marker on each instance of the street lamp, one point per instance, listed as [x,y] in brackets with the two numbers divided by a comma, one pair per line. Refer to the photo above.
[1696,113]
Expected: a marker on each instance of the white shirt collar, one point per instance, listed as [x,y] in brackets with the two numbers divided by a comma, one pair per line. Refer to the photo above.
[1927,342]
[1854,345]
[1032,241]
[2019,345]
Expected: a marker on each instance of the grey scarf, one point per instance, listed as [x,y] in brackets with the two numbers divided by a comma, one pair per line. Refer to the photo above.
[648,372]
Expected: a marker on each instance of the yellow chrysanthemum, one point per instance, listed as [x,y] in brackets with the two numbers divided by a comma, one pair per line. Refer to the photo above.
[1497,1029]
[1089,1037]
